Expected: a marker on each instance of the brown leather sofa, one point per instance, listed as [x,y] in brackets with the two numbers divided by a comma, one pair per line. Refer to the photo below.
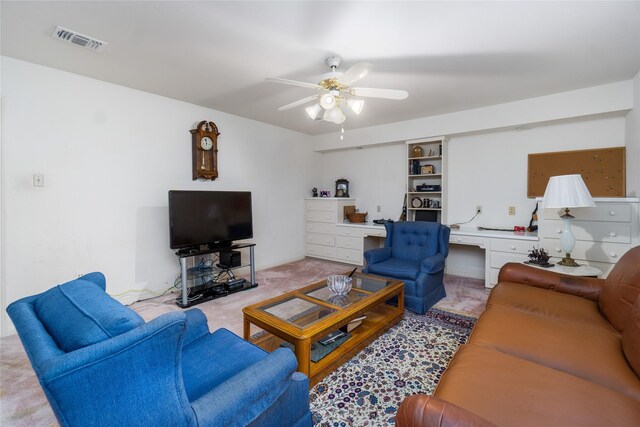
[549,350]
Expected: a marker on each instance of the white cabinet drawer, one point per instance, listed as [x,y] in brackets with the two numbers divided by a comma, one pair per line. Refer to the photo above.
[321,251]
[321,216]
[466,240]
[320,227]
[592,251]
[349,242]
[512,245]
[375,232]
[498,259]
[321,239]
[612,232]
[616,212]
[349,231]
[349,256]
[321,205]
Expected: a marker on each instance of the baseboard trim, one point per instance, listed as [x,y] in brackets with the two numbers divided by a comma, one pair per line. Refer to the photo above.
[474,274]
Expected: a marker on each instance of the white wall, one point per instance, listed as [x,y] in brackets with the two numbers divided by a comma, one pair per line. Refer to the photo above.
[490,169]
[633,142]
[605,99]
[109,154]
[377,177]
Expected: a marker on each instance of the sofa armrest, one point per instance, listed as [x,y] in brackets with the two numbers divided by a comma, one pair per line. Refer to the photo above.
[374,256]
[586,287]
[165,330]
[243,397]
[433,264]
[142,365]
[429,411]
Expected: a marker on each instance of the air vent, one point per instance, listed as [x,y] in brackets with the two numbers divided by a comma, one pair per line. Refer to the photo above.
[79,39]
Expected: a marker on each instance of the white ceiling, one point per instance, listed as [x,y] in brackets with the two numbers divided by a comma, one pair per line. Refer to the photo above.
[449,56]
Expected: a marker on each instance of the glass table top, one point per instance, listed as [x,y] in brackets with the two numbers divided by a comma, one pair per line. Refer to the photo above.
[302,312]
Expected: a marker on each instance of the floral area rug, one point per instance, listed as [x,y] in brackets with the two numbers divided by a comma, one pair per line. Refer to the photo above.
[407,359]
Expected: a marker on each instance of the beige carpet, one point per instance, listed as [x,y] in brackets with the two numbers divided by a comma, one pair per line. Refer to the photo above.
[22,402]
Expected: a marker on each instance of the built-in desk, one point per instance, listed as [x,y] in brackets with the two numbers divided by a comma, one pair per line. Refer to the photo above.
[352,240]
[500,248]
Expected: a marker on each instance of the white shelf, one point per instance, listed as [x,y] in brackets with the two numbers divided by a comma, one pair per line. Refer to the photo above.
[427,175]
[426,158]
[439,162]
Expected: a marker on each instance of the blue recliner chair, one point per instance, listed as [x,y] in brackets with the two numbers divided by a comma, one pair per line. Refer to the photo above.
[414,252]
[100,364]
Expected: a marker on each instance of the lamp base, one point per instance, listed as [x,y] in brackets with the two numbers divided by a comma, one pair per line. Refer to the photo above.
[567,261]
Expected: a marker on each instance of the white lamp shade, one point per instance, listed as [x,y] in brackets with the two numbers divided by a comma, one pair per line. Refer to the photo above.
[567,191]
[334,115]
[314,111]
[356,105]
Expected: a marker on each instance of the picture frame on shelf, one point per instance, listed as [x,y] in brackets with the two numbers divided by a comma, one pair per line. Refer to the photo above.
[427,170]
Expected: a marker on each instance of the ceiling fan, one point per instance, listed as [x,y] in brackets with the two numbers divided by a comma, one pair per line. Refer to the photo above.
[335,92]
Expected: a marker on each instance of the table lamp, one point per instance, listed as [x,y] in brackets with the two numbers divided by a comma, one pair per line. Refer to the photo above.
[565,192]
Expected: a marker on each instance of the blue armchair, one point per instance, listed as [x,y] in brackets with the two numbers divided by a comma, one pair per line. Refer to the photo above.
[100,364]
[414,252]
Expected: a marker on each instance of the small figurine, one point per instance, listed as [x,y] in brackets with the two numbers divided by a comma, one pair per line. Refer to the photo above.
[539,256]
[314,192]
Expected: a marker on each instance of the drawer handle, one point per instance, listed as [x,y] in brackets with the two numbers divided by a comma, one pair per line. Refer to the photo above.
[348,244]
[612,213]
[459,239]
[513,248]
[613,254]
[558,231]
[612,234]
[558,250]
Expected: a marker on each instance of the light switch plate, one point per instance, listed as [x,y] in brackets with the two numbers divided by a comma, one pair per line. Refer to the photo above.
[38,180]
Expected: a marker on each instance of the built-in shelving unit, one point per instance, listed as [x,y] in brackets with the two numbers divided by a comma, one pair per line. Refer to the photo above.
[426,179]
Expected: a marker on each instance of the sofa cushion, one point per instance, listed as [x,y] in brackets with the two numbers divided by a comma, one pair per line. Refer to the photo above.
[631,338]
[557,305]
[510,391]
[397,268]
[79,313]
[214,358]
[621,289]
[589,350]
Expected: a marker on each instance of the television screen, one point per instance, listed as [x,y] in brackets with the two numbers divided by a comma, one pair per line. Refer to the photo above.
[209,218]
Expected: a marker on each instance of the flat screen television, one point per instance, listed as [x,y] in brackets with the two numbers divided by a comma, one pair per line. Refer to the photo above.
[213,218]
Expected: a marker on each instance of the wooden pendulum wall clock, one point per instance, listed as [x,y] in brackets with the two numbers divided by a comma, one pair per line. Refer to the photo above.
[204,147]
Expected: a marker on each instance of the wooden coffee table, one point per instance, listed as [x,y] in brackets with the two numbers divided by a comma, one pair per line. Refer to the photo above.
[307,315]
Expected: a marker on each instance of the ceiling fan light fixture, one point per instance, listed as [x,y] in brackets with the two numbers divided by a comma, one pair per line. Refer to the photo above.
[327,101]
[356,105]
[334,115]
[314,112]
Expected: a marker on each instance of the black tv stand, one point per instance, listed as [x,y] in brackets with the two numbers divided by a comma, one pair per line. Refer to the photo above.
[213,290]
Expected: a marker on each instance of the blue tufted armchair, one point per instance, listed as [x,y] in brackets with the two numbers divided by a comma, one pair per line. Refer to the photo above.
[414,252]
[100,364]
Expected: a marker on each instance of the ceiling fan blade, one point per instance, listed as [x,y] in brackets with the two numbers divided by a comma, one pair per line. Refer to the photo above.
[370,92]
[298,102]
[293,82]
[355,73]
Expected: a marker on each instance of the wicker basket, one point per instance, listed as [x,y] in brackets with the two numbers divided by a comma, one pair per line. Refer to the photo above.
[357,217]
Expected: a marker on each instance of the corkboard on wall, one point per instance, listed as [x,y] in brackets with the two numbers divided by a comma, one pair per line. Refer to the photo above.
[602,169]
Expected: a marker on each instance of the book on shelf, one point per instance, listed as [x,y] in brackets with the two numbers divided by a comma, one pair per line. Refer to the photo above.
[353,324]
